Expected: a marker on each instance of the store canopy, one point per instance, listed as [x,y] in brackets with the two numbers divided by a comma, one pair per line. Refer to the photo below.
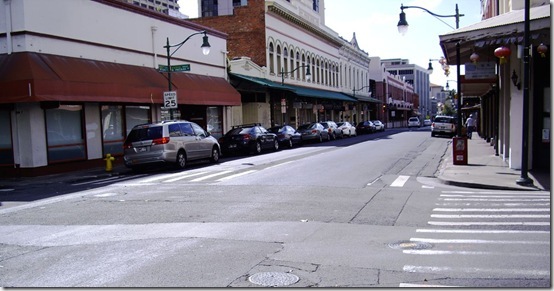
[485,36]
[34,77]
[300,91]
[361,98]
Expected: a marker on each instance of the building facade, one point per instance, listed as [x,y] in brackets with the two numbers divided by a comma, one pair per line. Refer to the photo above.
[271,56]
[70,92]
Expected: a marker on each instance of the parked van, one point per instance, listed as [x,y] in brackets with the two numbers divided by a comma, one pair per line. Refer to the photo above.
[173,142]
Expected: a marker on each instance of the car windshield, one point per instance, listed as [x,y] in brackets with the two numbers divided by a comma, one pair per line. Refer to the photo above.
[340,124]
[145,133]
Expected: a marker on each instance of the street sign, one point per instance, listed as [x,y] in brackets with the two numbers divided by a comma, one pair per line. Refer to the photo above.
[170,100]
[176,68]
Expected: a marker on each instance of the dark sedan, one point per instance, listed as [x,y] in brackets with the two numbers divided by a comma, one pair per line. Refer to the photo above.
[248,138]
[313,132]
[365,127]
[287,135]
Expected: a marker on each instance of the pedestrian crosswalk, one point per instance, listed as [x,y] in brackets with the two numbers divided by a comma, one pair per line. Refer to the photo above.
[480,234]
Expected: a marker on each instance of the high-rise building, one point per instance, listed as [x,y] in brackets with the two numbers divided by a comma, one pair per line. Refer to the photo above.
[169,7]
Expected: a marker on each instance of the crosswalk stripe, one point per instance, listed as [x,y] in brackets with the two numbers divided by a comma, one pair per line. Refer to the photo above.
[184,177]
[517,272]
[491,209]
[443,223]
[477,241]
[492,231]
[211,176]
[236,175]
[488,216]
[400,181]
[470,253]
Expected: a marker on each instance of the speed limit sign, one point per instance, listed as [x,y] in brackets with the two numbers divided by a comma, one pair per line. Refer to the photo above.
[170,100]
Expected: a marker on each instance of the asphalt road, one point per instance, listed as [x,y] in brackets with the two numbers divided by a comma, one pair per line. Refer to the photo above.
[357,212]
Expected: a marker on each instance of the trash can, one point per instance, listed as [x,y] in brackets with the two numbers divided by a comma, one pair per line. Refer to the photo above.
[459,150]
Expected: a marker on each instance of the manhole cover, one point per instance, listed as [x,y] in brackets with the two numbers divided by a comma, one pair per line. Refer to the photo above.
[273,279]
[410,245]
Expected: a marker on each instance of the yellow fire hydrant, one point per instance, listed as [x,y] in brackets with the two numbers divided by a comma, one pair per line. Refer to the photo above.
[109,162]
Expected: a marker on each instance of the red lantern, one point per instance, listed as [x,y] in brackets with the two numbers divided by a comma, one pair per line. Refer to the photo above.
[542,49]
[474,58]
[502,53]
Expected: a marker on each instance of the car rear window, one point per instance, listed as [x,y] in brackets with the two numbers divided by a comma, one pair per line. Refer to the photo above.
[444,120]
[236,131]
[306,126]
[145,133]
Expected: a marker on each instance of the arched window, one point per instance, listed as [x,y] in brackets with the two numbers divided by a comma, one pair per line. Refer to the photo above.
[297,65]
[271,58]
[303,68]
[279,67]
[285,60]
[318,72]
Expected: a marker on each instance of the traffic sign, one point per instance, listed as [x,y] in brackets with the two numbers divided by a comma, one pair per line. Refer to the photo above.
[176,68]
[170,100]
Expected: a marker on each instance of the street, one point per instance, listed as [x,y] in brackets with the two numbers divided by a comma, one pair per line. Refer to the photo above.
[365,211]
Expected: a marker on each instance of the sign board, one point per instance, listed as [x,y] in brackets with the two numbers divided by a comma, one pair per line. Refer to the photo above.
[481,70]
[170,100]
[177,68]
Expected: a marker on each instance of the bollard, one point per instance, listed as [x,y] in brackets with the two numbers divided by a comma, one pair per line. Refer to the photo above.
[109,165]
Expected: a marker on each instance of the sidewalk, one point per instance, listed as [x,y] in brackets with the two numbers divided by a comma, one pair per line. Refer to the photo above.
[485,170]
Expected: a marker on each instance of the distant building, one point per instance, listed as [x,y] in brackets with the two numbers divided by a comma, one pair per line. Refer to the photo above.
[415,75]
[169,7]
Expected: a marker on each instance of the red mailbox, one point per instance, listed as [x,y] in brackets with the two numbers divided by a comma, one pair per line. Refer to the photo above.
[459,150]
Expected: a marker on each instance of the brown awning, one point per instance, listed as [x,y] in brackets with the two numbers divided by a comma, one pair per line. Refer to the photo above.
[33,77]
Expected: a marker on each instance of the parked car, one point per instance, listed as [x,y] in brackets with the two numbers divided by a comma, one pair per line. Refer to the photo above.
[287,135]
[413,122]
[174,142]
[443,125]
[379,126]
[313,132]
[332,127]
[347,129]
[427,122]
[248,138]
[365,127]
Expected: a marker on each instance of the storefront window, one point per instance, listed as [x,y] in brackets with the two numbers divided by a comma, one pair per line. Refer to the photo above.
[112,129]
[214,126]
[6,148]
[135,115]
[65,133]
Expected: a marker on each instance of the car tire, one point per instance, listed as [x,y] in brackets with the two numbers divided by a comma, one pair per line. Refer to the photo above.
[258,149]
[290,143]
[181,160]
[320,138]
[276,145]
[215,155]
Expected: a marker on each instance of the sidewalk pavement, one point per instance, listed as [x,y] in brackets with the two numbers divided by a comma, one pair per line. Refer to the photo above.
[485,170]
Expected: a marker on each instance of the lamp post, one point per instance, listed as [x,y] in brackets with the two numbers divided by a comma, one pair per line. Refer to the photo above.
[205,50]
[403,28]
[283,73]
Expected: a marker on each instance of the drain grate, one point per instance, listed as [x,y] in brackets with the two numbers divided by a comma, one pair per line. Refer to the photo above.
[273,279]
[410,245]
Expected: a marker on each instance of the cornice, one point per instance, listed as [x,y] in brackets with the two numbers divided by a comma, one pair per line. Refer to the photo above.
[288,15]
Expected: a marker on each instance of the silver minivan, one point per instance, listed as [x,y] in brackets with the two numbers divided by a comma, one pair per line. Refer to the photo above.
[174,142]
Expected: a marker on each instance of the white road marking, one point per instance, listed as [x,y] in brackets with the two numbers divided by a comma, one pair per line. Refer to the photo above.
[211,176]
[492,209]
[492,231]
[477,241]
[184,177]
[410,285]
[236,175]
[495,200]
[471,253]
[489,216]
[481,271]
[400,181]
[443,223]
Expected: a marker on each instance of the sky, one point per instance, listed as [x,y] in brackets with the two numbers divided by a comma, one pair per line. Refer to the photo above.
[374,22]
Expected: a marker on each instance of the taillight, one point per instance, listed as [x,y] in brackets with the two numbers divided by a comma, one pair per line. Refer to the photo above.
[314,131]
[246,137]
[162,140]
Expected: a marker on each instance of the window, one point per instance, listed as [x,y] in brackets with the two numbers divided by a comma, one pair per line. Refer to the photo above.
[316,5]
[271,59]
[64,133]
[112,129]
[279,58]
[6,148]
[186,129]
[285,60]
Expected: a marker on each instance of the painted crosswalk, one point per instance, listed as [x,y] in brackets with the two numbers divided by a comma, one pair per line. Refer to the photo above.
[500,234]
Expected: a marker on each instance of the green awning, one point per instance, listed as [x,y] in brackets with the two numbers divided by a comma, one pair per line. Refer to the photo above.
[300,91]
[364,98]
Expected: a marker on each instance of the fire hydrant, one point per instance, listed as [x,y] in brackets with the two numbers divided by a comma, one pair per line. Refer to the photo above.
[109,165]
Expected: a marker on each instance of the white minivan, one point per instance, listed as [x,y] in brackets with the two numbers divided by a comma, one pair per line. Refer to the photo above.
[413,122]
[173,142]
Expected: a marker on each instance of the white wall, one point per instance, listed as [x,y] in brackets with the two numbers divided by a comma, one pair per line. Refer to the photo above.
[92,30]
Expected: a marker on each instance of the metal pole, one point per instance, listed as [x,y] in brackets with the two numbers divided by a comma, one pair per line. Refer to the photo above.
[459,84]
[169,75]
[524,179]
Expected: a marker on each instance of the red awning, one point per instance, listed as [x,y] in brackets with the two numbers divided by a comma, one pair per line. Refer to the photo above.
[33,77]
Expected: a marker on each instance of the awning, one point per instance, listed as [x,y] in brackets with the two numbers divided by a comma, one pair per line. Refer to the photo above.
[495,31]
[33,77]
[364,98]
[300,91]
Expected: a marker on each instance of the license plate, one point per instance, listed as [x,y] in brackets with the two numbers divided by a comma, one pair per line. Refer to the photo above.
[232,146]
[141,150]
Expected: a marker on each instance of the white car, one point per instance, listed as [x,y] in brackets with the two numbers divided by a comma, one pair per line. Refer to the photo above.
[413,122]
[427,122]
[379,126]
[347,129]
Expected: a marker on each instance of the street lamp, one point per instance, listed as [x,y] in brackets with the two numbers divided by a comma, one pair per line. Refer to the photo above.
[443,63]
[308,75]
[403,28]
[283,73]
[205,50]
